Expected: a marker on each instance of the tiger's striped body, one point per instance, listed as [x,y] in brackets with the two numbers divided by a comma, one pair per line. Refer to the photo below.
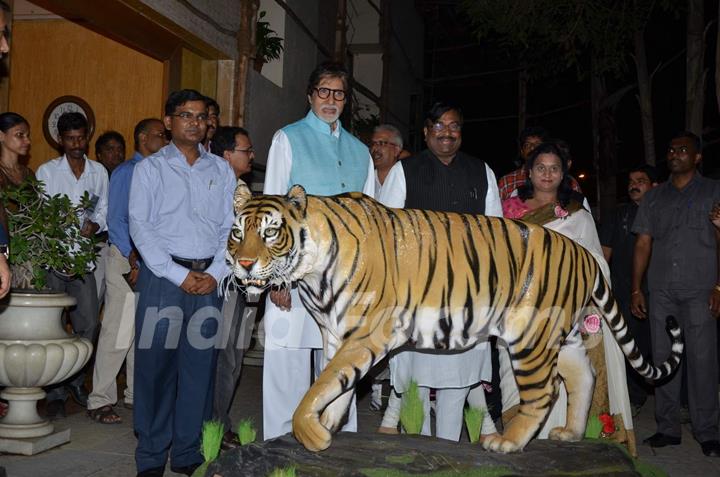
[375,278]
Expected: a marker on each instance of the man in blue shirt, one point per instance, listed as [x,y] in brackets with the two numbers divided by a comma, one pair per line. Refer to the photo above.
[118,325]
[180,218]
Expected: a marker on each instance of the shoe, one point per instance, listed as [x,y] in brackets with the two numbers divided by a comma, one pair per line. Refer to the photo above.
[55,409]
[229,441]
[78,393]
[186,470]
[661,440]
[710,448]
[154,472]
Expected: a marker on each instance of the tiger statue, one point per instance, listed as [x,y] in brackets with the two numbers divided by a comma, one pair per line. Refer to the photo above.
[375,278]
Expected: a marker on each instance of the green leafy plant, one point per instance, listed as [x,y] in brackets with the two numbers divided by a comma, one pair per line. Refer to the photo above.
[285,472]
[212,434]
[412,414]
[268,45]
[246,432]
[474,417]
[45,234]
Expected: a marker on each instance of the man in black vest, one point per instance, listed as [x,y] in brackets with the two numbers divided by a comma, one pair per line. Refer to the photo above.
[442,178]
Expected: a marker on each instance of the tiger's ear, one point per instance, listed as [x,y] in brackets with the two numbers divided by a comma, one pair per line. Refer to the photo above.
[242,195]
[297,197]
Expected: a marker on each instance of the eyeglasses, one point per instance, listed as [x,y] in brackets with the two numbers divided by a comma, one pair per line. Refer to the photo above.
[188,116]
[248,151]
[382,144]
[324,93]
[440,127]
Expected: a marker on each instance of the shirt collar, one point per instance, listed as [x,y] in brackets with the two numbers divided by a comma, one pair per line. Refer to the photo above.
[66,164]
[321,126]
[174,154]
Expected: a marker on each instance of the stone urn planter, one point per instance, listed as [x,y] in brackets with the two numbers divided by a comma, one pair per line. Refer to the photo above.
[35,351]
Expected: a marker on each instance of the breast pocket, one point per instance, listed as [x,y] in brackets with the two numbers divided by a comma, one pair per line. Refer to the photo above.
[213,202]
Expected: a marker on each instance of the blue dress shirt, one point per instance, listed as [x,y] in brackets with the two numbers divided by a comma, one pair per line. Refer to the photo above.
[118,202]
[180,210]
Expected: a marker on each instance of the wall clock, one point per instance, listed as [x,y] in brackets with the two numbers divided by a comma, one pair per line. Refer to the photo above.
[65,104]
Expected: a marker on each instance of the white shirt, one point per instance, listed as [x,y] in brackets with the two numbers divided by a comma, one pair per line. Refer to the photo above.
[383,194]
[394,191]
[60,179]
[279,165]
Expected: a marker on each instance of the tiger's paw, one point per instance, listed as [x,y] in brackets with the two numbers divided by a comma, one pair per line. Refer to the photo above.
[497,443]
[310,433]
[564,434]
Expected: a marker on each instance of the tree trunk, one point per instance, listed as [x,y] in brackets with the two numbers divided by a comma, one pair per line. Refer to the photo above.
[645,97]
[604,143]
[340,27]
[246,50]
[717,63]
[595,100]
[522,99]
[694,74]
[386,45]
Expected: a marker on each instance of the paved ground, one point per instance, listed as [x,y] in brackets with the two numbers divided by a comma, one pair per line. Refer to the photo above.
[107,450]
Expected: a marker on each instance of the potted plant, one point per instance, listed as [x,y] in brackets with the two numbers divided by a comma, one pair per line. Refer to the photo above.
[35,349]
[268,45]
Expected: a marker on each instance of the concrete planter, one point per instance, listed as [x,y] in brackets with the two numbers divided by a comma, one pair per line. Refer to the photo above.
[35,351]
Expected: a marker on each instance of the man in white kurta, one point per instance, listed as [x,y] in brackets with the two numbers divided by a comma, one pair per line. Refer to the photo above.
[317,153]
[445,179]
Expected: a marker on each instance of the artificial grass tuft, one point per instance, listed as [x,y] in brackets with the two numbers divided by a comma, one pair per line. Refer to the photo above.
[246,432]
[411,410]
[212,434]
[474,417]
[285,472]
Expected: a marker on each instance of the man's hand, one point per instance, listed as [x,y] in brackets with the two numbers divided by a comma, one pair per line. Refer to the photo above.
[190,283]
[199,283]
[204,285]
[715,216]
[281,298]
[133,277]
[638,306]
[715,302]
[133,259]
[89,228]
[5,276]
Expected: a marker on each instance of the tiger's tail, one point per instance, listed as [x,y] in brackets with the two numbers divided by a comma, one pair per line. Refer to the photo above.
[604,299]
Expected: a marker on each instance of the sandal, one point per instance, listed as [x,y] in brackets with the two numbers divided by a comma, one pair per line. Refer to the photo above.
[104,415]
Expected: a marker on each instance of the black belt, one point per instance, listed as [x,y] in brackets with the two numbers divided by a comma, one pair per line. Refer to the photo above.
[196,265]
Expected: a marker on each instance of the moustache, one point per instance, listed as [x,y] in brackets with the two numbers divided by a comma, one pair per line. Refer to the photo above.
[634,190]
[443,138]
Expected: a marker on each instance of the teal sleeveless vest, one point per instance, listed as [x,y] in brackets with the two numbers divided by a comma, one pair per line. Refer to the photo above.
[322,163]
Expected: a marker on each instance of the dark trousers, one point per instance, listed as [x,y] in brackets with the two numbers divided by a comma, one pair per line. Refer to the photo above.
[175,355]
[237,330]
[638,387]
[690,308]
[83,316]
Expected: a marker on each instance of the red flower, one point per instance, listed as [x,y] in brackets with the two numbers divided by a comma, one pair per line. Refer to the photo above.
[607,422]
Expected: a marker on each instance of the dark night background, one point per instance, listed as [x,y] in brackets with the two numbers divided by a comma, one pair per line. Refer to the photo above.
[457,66]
